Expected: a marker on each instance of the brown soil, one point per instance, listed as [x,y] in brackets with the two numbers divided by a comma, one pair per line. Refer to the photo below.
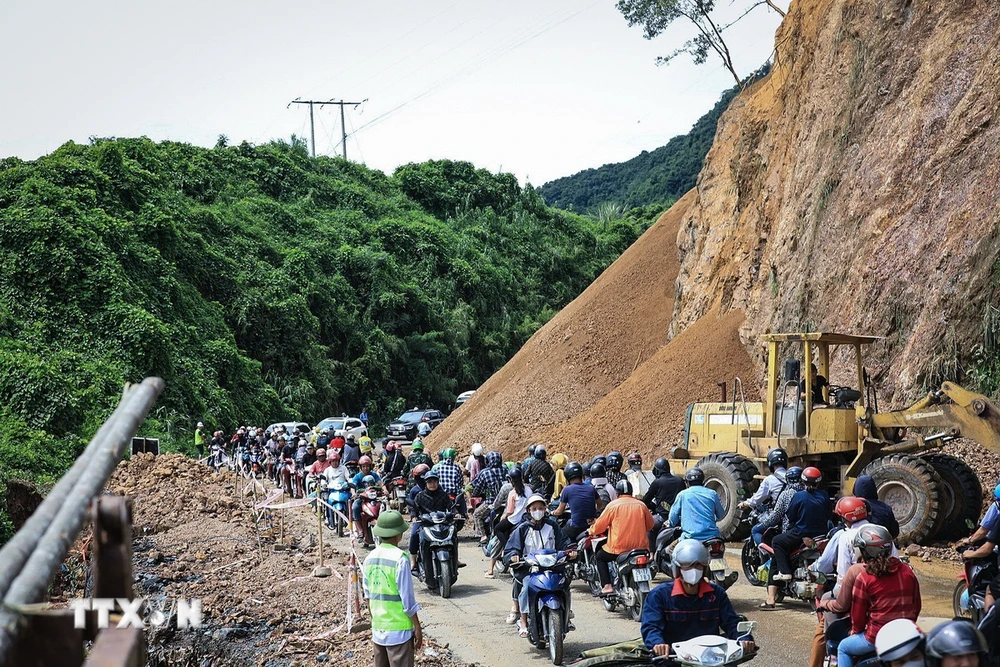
[646,412]
[590,347]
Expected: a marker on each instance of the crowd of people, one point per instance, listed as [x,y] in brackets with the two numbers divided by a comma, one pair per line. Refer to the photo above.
[549,502]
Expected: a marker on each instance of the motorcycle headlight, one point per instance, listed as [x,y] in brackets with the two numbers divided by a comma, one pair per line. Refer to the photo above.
[713,655]
[546,560]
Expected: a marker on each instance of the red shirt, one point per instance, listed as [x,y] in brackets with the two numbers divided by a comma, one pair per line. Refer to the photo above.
[337,442]
[878,600]
[318,467]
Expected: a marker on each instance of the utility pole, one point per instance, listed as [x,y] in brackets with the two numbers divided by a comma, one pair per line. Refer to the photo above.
[312,126]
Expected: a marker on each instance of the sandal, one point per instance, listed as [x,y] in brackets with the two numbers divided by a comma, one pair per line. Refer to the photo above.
[522,631]
[767,605]
[489,575]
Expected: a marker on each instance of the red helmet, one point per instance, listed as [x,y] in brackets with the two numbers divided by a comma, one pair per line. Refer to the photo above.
[419,471]
[852,508]
[365,460]
[812,475]
[390,446]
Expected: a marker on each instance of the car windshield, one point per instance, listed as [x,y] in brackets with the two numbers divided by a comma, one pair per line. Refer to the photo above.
[332,424]
[411,417]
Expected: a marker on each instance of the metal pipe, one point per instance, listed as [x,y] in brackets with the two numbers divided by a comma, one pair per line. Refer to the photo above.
[33,580]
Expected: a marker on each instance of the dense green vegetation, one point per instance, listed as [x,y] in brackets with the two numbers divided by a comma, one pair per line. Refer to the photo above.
[659,177]
[263,285]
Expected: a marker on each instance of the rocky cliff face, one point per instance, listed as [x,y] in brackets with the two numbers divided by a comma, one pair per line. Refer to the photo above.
[857,188]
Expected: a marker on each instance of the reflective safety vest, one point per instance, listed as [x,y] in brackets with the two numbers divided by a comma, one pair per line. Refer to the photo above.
[383,595]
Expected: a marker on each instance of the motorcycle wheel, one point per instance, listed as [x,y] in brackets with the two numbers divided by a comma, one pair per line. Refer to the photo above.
[444,579]
[956,600]
[635,611]
[554,625]
[340,525]
[595,586]
[751,561]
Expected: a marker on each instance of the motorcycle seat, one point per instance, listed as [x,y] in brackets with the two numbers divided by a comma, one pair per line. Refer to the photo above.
[624,558]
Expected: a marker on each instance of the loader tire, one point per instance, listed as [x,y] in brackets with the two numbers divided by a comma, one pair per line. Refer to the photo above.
[732,477]
[911,486]
[961,496]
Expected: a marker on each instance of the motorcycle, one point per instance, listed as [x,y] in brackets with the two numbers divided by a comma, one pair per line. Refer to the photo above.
[438,556]
[397,491]
[969,598]
[492,548]
[630,576]
[718,568]
[661,555]
[338,495]
[713,650]
[372,504]
[806,584]
[837,631]
[548,601]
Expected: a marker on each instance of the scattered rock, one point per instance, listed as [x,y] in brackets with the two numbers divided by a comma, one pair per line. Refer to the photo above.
[913,550]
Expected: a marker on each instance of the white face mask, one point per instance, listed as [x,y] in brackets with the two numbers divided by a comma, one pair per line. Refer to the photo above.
[914,663]
[692,576]
[537,515]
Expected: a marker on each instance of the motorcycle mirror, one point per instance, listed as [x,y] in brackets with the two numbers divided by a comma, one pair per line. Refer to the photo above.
[746,627]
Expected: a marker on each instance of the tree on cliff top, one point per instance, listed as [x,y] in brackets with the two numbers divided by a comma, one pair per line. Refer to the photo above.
[656,15]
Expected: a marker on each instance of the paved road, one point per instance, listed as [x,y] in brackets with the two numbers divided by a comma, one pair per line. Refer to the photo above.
[471,621]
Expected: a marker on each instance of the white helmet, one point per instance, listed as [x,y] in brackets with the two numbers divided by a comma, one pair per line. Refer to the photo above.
[477,449]
[201,425]
[897,639]
[687,553]
[535,499]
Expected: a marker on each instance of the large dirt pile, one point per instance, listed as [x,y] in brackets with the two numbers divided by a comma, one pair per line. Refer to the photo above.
[584,352]
[854,189]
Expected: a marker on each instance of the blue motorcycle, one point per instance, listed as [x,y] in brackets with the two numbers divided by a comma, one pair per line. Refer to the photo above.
[547,584]
[339,496]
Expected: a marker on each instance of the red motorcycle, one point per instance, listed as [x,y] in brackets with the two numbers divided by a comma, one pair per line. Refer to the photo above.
[396,490]
[291,479]
[372,504]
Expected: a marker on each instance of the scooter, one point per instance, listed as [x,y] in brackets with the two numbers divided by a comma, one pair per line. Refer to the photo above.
[372,505]
[836,632]
[338,495]
[397,493]
[718,568]
[492,547]
[548,611]
[438,555]
[662,554]
[969,598]
[630,577]
[805,585]
[713,650]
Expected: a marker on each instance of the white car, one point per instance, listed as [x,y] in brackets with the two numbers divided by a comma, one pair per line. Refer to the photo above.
[345,425]
[289,427]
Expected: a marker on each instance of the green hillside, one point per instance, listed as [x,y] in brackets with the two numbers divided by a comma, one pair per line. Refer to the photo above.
[263,284]
[658,177]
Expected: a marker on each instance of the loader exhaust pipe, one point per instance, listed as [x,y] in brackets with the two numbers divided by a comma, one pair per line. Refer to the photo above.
[722,386]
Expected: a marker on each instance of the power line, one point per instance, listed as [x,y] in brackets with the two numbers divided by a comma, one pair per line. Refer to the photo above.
[312,122]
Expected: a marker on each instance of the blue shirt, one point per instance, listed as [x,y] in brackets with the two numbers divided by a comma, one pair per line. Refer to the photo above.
[990,518]
[696,510]
[809,513]
[669,615]
[356,482]
[582,501]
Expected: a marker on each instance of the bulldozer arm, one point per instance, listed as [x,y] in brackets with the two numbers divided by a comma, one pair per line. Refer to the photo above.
[957,411]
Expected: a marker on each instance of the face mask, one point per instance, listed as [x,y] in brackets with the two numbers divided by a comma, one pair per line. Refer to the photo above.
[913,663]
[537,515]
[692,576]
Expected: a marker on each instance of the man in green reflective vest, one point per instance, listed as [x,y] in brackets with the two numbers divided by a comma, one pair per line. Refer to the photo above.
[200,439]
[388,586]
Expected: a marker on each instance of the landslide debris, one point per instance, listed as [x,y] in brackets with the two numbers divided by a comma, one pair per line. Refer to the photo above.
[195,538]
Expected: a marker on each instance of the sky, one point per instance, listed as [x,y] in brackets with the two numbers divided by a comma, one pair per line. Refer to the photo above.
[538,88]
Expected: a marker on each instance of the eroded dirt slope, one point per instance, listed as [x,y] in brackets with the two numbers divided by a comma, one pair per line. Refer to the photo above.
[583,353]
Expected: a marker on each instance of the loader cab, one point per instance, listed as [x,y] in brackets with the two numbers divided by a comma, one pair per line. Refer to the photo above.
[792,418]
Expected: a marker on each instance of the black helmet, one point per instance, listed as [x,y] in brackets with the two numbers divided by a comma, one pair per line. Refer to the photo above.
[597,470]
[955,638]
[777,458]
[634,460]
[623,488]
[661,466]
[615,461]
[514,472]
[531,450]
[694,477]
[793,475]
[540,453]
[585,468]
[600,458]
[573,471]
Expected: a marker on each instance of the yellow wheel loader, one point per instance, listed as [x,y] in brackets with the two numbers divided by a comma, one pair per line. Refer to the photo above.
[844,435]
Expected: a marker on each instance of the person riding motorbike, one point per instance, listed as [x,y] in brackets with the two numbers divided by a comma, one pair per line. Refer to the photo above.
[808,516]
[538,532]
[901,643]
[956,643]
[990,519]
[321,463]
[879,512]
[336,470]
[487,485]
[394,463]
[605,492]
[772,486]
[661,496]
[559,462]
[423,429]
[696,509]
[887,589]
[538,473]
[582,502]
[357,484]
[338,441]
[531,456]
[777,514]
[984,550]
[452,480]
[476,461]
[411,503]
[854,512]
[634,461]
[613,468]
[689,606]
[432,499]
[627,521]
[310,457]
[417,457]
[514,496]
[350,453]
